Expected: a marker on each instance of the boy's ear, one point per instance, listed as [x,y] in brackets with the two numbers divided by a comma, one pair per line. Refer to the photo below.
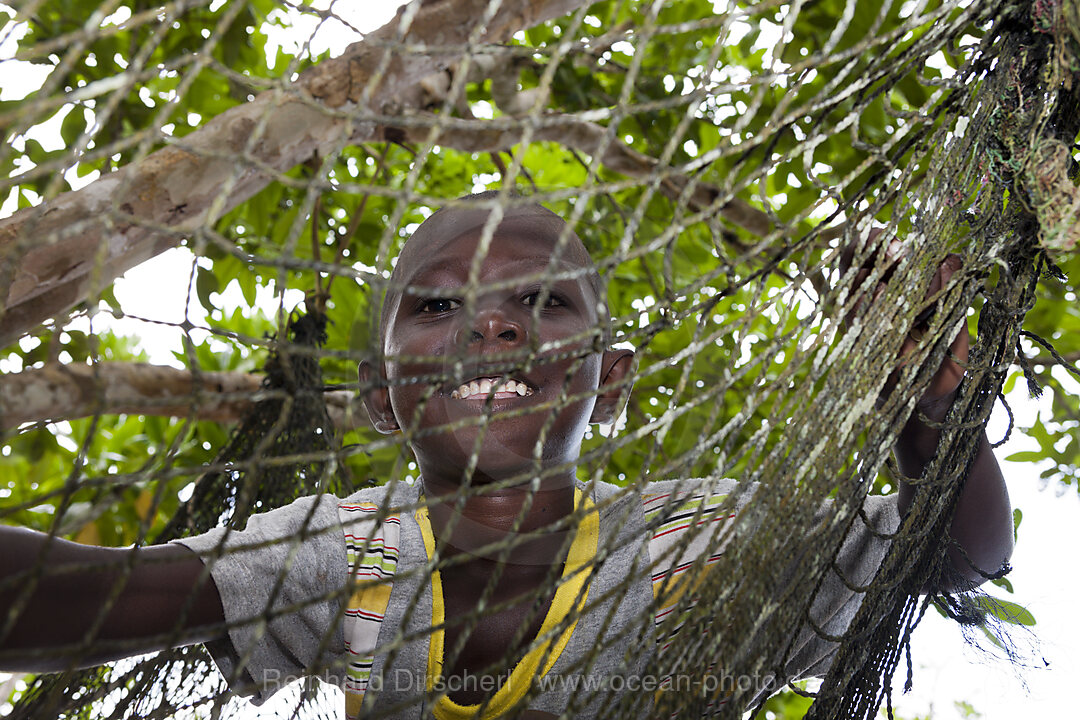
[377,399]
[615,367]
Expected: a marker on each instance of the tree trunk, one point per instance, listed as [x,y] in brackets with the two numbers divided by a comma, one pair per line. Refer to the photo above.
[65,392]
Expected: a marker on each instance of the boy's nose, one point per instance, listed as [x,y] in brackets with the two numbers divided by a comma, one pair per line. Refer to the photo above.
[494,325]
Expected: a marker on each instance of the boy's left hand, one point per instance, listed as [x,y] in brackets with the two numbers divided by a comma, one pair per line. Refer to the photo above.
[939,393]
[942,389]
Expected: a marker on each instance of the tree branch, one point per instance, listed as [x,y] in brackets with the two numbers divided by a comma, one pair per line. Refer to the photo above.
[586,137]
[66,392]
[57,254]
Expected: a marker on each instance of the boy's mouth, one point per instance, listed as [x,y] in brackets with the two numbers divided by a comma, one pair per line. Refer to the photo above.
[481,388]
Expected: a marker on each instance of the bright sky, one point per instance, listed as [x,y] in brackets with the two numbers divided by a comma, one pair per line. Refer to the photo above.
[947,671]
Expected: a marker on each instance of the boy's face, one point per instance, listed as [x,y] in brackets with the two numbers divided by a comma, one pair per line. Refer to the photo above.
[504,360]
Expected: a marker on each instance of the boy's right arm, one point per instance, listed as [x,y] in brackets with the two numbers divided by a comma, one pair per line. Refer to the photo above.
[89,605]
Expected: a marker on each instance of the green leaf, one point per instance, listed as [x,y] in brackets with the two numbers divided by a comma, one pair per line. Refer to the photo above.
[1006,611]
[1026,456]
[35,152]
[73,126]
[991,637]
[206,282]
[247,282]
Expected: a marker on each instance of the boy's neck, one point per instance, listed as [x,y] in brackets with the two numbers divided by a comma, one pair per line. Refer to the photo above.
[487,518]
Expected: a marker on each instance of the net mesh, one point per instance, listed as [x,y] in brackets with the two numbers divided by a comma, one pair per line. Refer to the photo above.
[716,159]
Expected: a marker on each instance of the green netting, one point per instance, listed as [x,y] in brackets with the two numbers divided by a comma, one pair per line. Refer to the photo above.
[766,190]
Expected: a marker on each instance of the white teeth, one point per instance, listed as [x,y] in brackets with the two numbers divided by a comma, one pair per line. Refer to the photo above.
[483,387]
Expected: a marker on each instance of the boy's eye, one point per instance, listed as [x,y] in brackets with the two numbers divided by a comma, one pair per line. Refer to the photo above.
[550,301]
[436,306]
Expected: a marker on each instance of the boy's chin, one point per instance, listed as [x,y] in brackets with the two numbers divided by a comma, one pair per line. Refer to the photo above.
[496,461]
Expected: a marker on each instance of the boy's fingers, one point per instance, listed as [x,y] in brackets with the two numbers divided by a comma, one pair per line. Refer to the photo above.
[947,269]
[948,375]
[895,251]
[961,344]
[953,262]
[847,255]
[942,276]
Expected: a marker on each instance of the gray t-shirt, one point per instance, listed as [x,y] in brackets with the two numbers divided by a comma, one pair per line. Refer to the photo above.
[284,586]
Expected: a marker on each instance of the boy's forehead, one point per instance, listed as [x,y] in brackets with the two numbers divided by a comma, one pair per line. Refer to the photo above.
[536,231]
[536,228]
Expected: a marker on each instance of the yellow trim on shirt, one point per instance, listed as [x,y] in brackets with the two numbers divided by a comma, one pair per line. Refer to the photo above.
[569,598]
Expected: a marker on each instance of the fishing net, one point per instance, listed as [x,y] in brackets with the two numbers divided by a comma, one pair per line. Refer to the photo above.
[766,191]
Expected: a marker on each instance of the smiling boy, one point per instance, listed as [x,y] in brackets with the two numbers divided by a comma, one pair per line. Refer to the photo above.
[469,592]
[508,355]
